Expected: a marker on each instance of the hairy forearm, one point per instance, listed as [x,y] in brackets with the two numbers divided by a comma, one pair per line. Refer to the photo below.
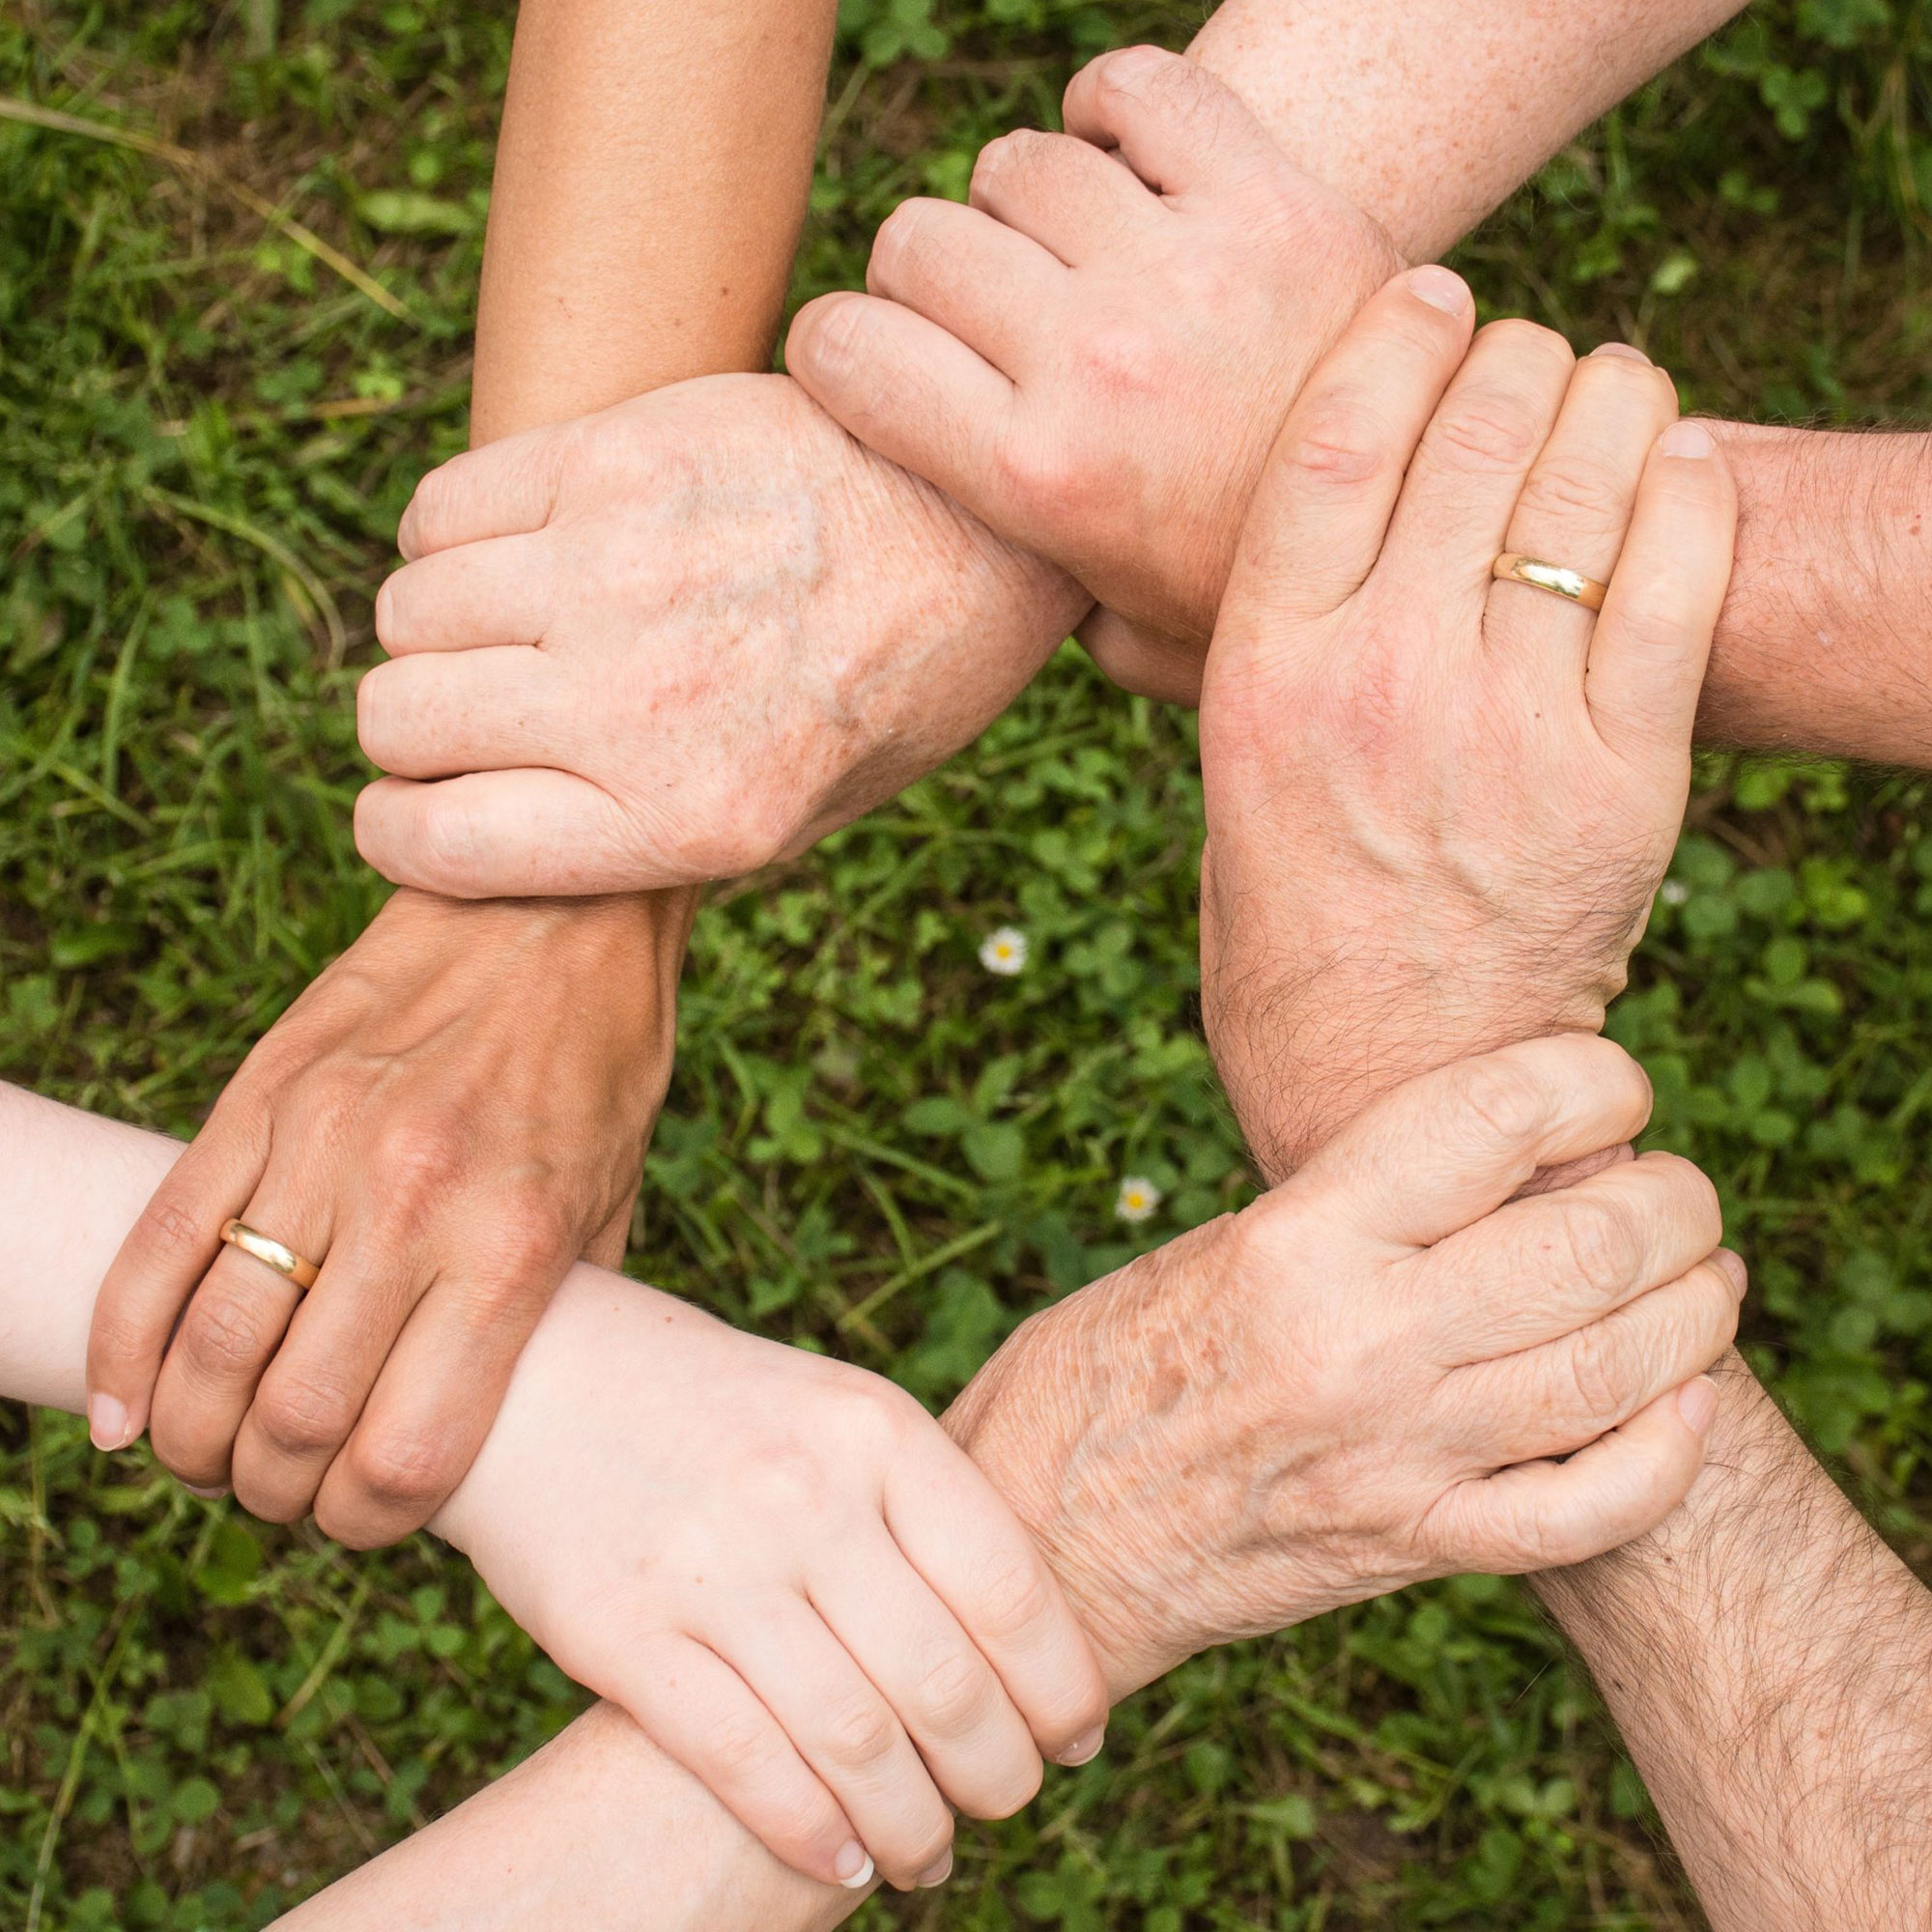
[1769,1658]
[1826,642]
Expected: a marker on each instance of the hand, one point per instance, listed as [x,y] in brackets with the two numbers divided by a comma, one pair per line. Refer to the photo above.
[1096,356]
[1479,783]
[453,1113]
[1359,1382]
[785,1572]
[716,629]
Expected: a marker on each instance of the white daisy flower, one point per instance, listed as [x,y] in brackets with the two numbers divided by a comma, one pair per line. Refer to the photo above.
[1004,952]
[1673,892]
[1137,1199]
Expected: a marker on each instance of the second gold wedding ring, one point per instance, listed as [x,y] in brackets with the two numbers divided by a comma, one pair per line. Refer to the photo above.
[1554,578]
[270,1253]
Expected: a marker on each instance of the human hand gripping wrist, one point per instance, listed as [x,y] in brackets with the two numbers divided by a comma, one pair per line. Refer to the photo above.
[453,1113]
[1481,783]
[1365,1379]
[675,642]
[1096,356]
[781,1567]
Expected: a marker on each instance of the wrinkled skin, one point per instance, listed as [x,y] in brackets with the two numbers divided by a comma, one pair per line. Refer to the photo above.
[1353,1384]
[676,640]
[1095,358]
[1480,784]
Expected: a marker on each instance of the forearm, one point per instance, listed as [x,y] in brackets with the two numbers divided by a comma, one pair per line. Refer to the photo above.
[1767,1658]
[1826,642]
[1428,114]
[651,180]
[601,1830]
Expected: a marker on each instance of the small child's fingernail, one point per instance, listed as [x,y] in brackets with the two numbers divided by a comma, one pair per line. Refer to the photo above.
[1620,351]
[1697,1403]
[1688,439]
[1083,1751]
[853,1867]
[107,1422]
[207,1495]
[1440,288]
[1734,1269]
[937,1872]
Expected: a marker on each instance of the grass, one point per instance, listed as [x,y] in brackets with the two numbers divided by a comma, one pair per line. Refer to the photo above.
[221,372]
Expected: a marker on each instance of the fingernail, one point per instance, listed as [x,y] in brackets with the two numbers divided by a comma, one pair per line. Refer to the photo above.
[1083,1751]
[1691,440]
[854,1868]
[107,1422]
[937,1872]
[1440,288]
[1697,1403]
[207,1495]
[1620,351]
[1734,1267]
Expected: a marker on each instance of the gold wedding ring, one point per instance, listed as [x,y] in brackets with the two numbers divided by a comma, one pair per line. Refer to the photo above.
[270,1253]
[1554,578]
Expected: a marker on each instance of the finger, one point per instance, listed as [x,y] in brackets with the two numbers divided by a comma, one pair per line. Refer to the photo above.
[440,1387]
[1074,199]
[1545,1265]
[441,715]
[501,490]
[989,287]
[974,1742]
[506,835]
[1554,1400]
[477,593]
[1575,511]
[1447,1148]
[1544,1515]
[1176,126]
[1475,458]
[702,1712]
[969,1547]
[165,1255]
[1142,661]
[1321,514]
[911,391]
[1653,640]
[232,1328]
[843,1728]
[312,1395]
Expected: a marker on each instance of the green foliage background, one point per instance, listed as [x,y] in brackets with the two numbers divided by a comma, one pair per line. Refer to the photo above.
[206,437]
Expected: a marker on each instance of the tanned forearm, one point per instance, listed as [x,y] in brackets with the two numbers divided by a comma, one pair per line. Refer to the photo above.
[1770,1662]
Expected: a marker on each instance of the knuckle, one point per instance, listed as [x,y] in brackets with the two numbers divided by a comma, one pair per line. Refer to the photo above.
[1489,432]
[1600,1372]
[1012,160]
[223,1336]
[1502,1099]
[1013,1600]
[418,1157]
[1574,492]
[408,1467]
[861,1735]
[830,334]
[1336,444]
[953,1693]
[304,1413]
[1603,1244]
[1143,75]
[173,1228]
